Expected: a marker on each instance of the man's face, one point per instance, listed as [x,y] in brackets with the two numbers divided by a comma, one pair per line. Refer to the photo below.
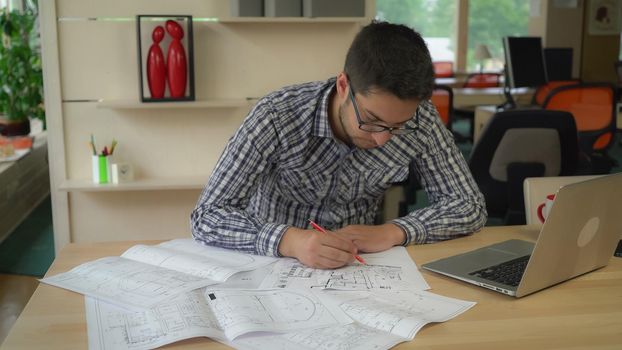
[378,108]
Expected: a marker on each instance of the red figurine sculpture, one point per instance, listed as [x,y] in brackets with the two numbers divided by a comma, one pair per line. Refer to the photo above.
[176,60]
[156,68]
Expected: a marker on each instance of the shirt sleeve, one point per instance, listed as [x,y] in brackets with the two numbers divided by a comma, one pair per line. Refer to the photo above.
[219,218]
[457,206]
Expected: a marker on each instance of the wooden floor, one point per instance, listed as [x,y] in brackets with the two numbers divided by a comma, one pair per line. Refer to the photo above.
[15,290]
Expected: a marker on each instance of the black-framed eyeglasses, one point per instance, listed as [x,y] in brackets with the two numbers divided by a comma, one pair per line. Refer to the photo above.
[373,127]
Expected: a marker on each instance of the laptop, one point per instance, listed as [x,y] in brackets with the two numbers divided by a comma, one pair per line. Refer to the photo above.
[579,235]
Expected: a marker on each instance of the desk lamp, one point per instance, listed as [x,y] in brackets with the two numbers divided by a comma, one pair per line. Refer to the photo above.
[481,54]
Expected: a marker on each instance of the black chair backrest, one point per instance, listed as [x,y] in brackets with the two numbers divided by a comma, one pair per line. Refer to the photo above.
[517,144]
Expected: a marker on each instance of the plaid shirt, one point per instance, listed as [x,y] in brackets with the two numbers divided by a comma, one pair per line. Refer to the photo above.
[284,166]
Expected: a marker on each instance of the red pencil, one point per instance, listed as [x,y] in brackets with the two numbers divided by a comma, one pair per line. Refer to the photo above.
[320,229]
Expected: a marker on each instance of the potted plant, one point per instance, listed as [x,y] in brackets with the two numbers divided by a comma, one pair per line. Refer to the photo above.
[21,77]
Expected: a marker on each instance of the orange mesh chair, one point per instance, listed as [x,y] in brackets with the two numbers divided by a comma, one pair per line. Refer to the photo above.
[543,90]
[483,80]
[443,100]
[593,107]
[443,69]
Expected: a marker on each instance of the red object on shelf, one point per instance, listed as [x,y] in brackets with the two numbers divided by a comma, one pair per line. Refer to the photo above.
[156,67]
[18,142]
[176,60]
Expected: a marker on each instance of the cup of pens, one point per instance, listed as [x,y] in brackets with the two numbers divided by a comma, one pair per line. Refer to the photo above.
[100,162]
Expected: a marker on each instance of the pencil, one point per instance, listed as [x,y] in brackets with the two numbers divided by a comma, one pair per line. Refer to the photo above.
[114,143]
[320,229]
[93,145]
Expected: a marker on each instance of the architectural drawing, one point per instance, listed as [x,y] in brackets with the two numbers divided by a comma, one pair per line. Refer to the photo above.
[363,277]
[146,275]
[392,269]
[185,316]
[243,311]
[402,313]
[128,282]
[347,337]
[188,256]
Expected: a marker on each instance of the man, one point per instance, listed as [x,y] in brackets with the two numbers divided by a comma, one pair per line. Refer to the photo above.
[327,151]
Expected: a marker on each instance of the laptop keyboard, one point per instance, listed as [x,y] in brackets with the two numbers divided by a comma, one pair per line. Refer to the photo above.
[508,273]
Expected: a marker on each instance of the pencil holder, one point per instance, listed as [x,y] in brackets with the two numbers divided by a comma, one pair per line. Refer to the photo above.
[101,169]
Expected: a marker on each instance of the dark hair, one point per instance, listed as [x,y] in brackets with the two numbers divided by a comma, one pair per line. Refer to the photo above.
[393,58]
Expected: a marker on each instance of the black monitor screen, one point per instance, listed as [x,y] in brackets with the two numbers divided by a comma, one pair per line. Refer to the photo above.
[525,62]
[558,63]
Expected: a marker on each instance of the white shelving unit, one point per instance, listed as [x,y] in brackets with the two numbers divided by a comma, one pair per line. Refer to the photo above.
[146,184]
[91,57]
[216,103]
[273,20]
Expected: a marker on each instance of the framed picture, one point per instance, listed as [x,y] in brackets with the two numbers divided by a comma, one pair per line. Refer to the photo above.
[604,17]
[165,58]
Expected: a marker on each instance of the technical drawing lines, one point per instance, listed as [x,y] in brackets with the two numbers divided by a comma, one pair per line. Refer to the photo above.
[235,307]
[384,314]
[296,270]
[363,277]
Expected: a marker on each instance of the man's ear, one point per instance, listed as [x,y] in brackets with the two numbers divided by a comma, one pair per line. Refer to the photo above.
[342,85]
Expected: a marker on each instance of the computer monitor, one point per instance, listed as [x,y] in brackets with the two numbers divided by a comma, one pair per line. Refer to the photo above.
[558,62]
[525,61]
[524,65]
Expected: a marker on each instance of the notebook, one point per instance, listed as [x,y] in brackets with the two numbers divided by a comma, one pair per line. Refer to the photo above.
[579,235]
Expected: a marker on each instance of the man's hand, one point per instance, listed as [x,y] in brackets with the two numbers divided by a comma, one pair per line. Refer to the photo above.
[371,239]
[316,249]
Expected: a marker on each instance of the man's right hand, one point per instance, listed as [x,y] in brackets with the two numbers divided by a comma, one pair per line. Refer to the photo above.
[316,249]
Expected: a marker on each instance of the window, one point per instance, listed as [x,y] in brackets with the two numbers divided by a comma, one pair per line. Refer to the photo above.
[488,22]
[434,19]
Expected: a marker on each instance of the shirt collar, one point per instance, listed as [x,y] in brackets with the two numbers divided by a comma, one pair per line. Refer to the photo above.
[321,125]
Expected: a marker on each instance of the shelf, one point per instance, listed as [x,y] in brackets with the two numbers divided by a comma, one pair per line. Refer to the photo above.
[294,20]
[154,184]
[131,104]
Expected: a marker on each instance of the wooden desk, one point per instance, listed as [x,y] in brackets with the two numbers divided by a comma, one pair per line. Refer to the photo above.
[451,82]
[471,97]
[585,312]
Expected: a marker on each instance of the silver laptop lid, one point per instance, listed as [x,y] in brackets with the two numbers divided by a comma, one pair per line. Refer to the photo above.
[579,235]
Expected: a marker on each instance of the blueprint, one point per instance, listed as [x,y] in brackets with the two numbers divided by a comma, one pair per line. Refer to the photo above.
[145,275]
[128,282]
[352,336]
[219,314]
[247,279]
[381,321]
[188,256]
[392,269]
[243,311]
[401,313]
[185,316]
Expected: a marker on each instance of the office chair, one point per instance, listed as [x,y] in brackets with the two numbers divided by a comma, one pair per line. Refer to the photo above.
[482,80]
[517,144]
[593,107]
[543,90]
[443,99]
[443,69]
